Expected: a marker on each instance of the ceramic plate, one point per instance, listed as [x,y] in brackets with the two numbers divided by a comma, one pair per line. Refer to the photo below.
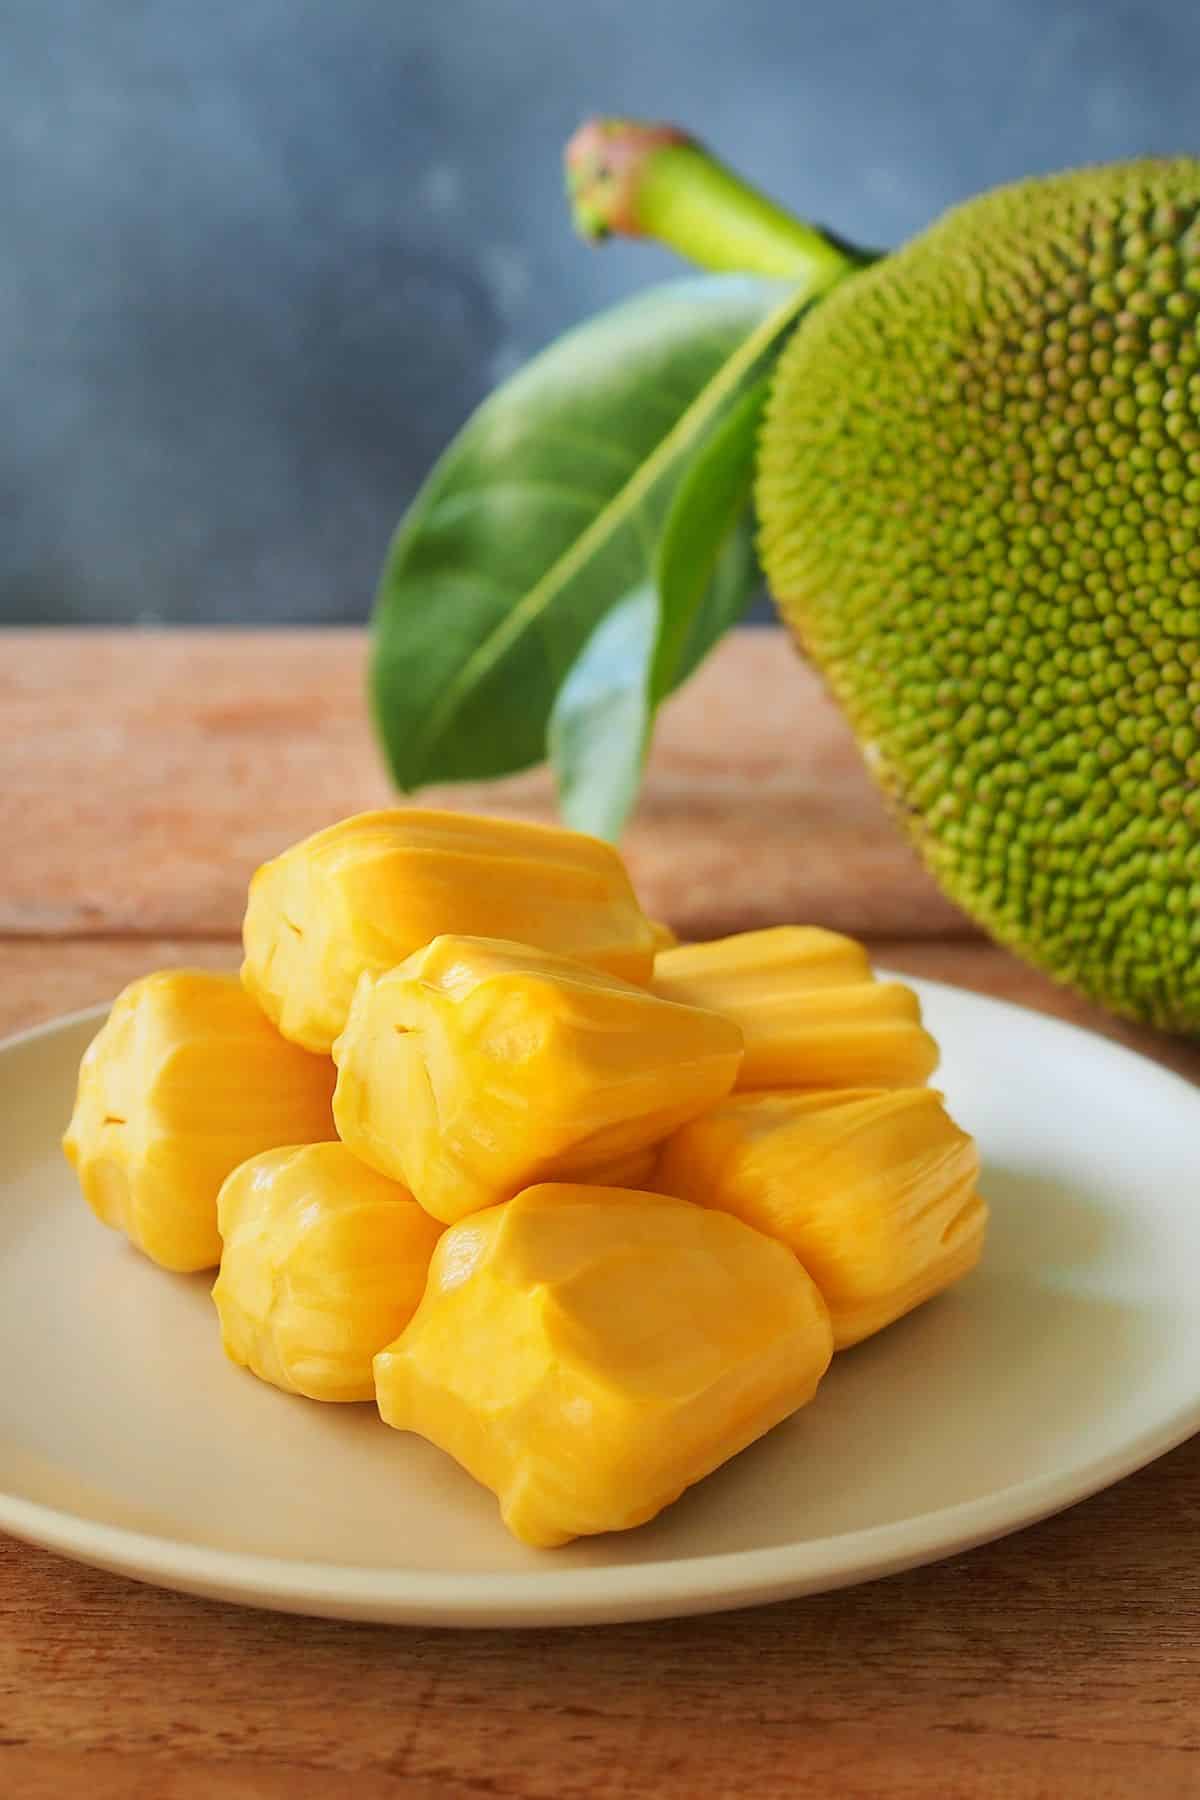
[1070,1358]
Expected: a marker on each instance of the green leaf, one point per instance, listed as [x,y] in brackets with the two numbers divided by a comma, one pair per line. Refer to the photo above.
[652,640]
[544,511]
[600,728]
[707,524]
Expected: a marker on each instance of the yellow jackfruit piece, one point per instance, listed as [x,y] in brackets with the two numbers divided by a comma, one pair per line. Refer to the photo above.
[588,1353]
[480,1067]
[323,1264]
[365,893]
[184,1081]
[634,1170]
[811,1013]
[664,937]
[751,965]
[874,1190]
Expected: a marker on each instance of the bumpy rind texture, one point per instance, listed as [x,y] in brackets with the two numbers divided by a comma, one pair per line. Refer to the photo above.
[980,494]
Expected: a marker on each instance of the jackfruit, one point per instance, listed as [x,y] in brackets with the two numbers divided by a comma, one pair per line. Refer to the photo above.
[810,1011]
[183,1082]
[588,1353]
[478,1068]
[752,965]
[365,893]
[633,1170]
[875,1192]
[979,498]
[980,493]
[323,1262]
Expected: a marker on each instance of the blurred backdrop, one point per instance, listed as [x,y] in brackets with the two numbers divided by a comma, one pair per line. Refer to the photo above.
[261,257]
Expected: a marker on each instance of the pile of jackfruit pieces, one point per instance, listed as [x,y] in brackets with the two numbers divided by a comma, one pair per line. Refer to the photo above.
[475,1139]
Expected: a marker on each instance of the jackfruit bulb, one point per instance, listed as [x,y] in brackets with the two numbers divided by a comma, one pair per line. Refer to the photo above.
[323,1264]
[477,1068]
[367,892]
[810,1011]
[588,1353]
[184,1081]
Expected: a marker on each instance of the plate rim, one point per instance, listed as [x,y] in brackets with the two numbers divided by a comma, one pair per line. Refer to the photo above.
[662,1588]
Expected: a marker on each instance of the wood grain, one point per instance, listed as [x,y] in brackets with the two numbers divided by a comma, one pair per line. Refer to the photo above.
[42,978]
[1062,1663]
[183,760]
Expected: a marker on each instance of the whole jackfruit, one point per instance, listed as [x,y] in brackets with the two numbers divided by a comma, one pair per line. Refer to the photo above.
[979,495]
[979,483]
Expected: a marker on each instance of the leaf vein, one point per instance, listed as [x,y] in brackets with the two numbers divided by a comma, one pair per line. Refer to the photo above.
[640,484]
[530,484]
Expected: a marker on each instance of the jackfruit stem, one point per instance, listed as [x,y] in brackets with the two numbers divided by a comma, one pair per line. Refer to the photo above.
[644,180]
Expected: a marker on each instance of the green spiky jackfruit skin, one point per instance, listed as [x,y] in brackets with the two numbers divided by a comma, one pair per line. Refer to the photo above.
[979,487]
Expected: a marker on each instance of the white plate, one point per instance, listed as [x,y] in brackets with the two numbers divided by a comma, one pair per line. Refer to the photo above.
[1070,1358]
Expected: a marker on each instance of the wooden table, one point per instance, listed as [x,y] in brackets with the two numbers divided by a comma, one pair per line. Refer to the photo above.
[141,779]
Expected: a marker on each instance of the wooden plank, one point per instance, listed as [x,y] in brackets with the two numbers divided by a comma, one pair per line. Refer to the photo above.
[42,978]
[771,1762]
[182,760]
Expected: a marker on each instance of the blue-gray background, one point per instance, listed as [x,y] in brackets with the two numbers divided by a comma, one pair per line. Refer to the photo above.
[261,257]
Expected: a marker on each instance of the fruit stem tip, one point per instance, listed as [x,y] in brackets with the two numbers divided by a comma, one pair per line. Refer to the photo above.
[656,181]
[605,162]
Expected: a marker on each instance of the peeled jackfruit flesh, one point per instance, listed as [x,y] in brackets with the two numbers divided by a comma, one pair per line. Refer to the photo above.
[479,1067]
[979,495]
[753,965]
[185,1080]
[634,1170]
[874,1191]
[323,1263]
[810,1011]
[588,1353]
[365,893]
